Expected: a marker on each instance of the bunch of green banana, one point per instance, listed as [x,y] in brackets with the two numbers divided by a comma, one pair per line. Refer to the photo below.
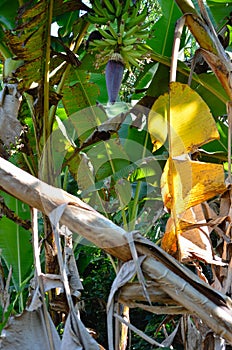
[123,30]
[108,10]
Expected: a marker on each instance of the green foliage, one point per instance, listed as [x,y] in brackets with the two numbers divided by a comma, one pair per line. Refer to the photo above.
[16,252]
[8,13]
[97,273]
[15,243]
[170,13]
[117,174]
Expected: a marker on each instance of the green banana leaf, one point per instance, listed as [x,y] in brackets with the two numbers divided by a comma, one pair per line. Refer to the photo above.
[162,39]
[15,243]
[8,13]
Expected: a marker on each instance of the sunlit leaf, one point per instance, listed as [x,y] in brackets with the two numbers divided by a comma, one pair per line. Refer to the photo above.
[206,84]
[186,183]
[191,123]
[157,122]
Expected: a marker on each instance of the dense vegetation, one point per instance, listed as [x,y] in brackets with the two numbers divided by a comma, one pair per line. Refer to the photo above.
[88,105]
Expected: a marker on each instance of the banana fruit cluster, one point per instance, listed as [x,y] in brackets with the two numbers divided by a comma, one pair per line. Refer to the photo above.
[123,28]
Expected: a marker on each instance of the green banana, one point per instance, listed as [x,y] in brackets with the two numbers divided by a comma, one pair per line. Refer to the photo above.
[108,52]
[145,48]
[122,27]
[129,41]
[109,6]
[98,12]
[118,8]
[134,54]
[112,30]
[133,62]
[127,48]
[121,32]
[119,39]
[107,14]
[131,22]
[131,31]
[105,34]
[142,35]
[144,25]
[125,60]
[97,20]
[125,16]
[111,41]
[99,42]
[134,11]
[97,7]
[126,7]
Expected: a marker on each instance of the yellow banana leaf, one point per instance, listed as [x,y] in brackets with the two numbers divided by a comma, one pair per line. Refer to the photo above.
[191,123]
[186,183]
[187,242]
[157,122]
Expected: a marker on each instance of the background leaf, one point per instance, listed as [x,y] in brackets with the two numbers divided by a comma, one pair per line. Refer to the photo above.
[16,247]
[160,43]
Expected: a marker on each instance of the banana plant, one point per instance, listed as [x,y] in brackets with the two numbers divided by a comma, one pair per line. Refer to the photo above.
[69,130]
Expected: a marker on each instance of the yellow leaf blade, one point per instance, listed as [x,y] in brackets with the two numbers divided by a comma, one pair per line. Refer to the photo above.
[157,122]
[191,123]
[186,183]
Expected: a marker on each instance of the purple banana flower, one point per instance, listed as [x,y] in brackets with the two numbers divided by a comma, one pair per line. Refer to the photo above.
[114,73]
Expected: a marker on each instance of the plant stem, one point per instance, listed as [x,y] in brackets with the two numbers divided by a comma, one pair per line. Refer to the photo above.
[19,260]
[134,211]
[47,169]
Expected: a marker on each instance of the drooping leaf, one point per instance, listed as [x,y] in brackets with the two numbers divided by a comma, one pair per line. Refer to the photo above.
[186,183]
[157,121]
[10,127]
[61,7]
[28,330]
[27,44]
[76,335]
[189,238]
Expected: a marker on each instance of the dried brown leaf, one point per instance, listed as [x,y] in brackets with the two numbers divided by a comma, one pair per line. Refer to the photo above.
[28,331]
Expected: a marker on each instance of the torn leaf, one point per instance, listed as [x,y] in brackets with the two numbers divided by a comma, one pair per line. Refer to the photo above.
[10,127]
[189,237]
[76,336]
[186,183]
[29,331]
